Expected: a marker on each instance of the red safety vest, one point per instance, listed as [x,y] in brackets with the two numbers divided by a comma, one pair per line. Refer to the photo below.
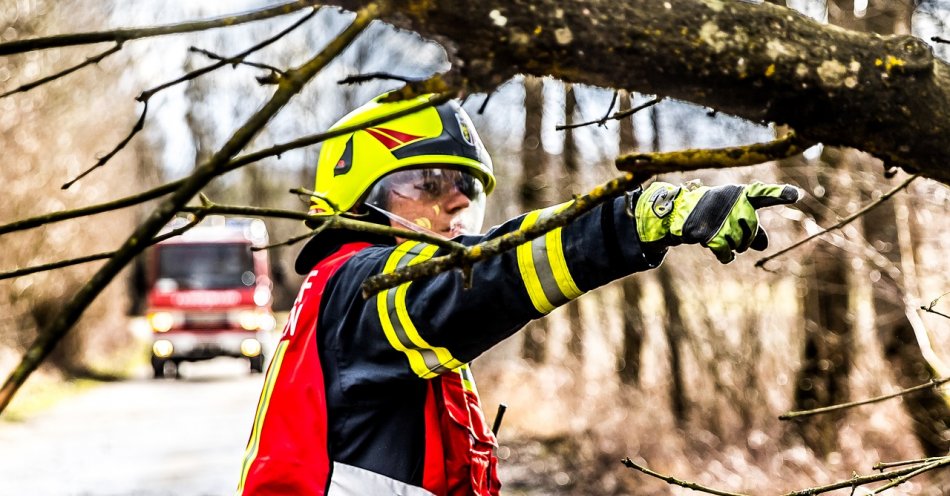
[287,452]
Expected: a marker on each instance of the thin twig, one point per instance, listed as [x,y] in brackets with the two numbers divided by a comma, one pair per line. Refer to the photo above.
[930,307]
[616,116]
[65,72]
[807,413]
[238,162]
[339,221]
[313,194]
[610,108]
[362,78]
[939,39]
[293,240]
[122,35]
[147,94]
[234,61]
[676,482]
[71,310]
[139,125]
[481,108]
[854,482]
[843,222]
[906,477]
[885,465]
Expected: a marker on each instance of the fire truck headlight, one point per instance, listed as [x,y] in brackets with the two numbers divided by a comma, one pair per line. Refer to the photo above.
[266,321]
[163,348]
[250,347]
[248,320]
[161,321]
[261,296]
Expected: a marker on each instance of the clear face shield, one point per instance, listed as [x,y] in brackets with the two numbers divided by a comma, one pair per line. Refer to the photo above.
[441,201]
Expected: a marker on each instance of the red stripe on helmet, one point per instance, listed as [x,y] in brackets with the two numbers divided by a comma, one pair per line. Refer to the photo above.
[391,139]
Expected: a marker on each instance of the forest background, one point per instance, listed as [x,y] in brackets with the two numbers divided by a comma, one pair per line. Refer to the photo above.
[685,369]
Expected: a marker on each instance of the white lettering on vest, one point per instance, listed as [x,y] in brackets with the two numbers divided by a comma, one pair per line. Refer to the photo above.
[298,305]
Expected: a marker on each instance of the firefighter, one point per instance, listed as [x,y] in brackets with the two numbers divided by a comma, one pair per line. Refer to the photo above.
[375,396]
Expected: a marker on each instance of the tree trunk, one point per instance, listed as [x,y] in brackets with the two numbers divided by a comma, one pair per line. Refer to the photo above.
[575,344]
[928,408]
[675,333]
[633,327]
[532,184]
[822,379]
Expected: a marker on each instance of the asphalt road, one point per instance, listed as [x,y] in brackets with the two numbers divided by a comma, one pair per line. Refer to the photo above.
[139,437]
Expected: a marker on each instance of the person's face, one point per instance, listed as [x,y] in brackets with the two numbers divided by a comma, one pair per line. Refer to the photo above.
[445,201]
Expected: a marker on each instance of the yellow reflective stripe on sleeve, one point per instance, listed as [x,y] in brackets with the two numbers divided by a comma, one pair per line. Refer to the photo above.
[262,403]
[543,266]
[528,273]
[425,360]
[558,263]
[468,380]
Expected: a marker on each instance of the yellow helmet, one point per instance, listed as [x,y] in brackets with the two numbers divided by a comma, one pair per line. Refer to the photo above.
[441,136]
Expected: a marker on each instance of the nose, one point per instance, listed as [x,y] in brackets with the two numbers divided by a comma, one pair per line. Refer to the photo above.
[455,201]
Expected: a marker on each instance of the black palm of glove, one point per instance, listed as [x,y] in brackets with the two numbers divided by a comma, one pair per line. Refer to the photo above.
[722,218]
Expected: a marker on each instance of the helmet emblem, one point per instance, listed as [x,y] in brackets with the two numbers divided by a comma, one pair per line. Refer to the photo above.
[392,139]
[463,127]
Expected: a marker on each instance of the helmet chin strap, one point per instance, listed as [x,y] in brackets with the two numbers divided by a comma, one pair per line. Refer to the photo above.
[402,221]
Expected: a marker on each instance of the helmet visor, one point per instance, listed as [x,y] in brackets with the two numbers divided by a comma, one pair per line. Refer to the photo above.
[447,202]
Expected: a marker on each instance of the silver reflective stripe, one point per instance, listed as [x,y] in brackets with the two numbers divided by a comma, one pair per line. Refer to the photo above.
[428,356]
[347,480]
[542,265]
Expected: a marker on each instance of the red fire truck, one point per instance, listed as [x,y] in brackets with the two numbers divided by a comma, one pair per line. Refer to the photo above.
[209,294]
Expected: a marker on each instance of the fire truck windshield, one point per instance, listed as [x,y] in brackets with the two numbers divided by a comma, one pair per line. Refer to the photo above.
[206,266]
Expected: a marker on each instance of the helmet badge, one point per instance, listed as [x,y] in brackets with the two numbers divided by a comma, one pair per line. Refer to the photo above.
[466,131]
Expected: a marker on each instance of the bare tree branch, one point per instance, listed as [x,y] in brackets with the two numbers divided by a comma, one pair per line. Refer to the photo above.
[234,59]
[122,35]
[65,72]
[896,477]
[906,477]
[139,125]
[234,63]
[147,94]
[930,308]
[843,222]
[643,166]
[649,164]
[676,482]
[885,465]
[817,411]
[291,85]
[615,116]
[888,95]
[464,259]
[863,480]
[371,76]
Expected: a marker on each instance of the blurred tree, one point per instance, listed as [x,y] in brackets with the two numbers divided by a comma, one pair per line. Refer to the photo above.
[534,162]
[570,185]
[882,227]
[826,360]
[630,287]
[675,330]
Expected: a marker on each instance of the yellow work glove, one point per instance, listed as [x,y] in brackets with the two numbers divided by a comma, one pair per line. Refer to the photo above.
[721,218]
